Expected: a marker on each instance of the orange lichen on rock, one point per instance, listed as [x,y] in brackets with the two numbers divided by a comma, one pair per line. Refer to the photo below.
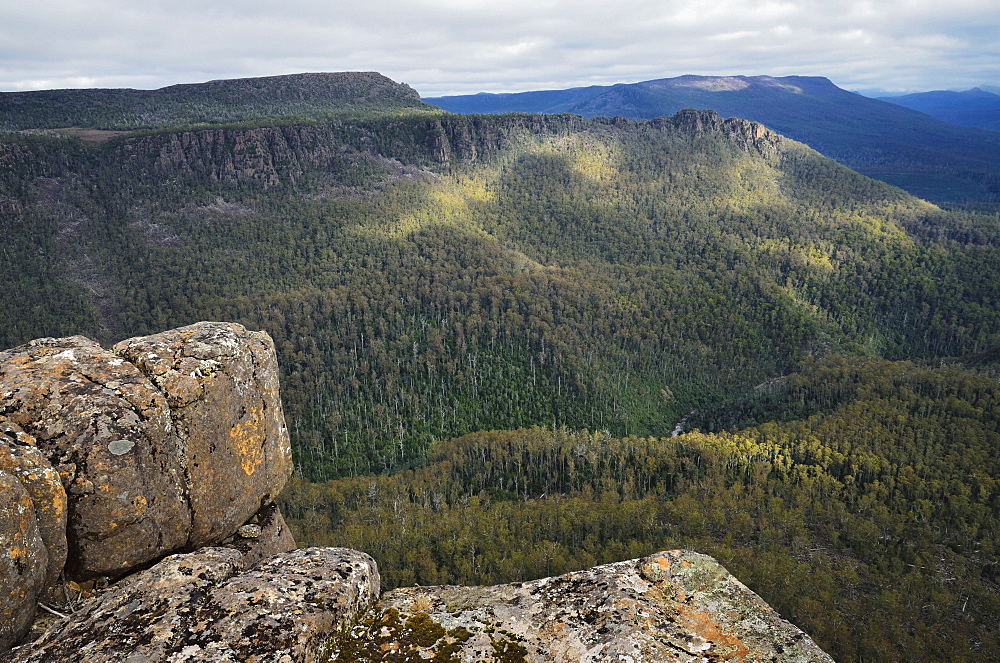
[221,382]
[724,645]
[20,458]
[106,430]
[248,438]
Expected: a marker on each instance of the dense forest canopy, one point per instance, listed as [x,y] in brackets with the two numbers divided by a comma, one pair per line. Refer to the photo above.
[872,523]
[427,276]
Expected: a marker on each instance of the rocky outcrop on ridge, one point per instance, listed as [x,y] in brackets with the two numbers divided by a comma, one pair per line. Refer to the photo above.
[107,432]
[166,443]
[672,606]
[111,460]
[221,387]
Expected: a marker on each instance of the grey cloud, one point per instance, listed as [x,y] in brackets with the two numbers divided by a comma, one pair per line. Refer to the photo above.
[454,46]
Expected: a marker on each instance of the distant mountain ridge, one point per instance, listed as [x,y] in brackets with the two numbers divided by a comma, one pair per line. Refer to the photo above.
[925,156]
[971,108]
[295,96]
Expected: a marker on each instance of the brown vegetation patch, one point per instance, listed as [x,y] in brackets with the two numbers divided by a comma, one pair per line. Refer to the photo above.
[90,135]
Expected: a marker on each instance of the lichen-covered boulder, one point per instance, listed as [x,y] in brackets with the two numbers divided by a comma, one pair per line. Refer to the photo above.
[289,605]
[107,431]
[672,606]
[221,384]
[203,607]
[170,442]
[23,560]
[20,458]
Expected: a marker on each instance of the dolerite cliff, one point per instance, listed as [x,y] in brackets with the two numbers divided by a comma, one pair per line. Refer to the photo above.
[153,466]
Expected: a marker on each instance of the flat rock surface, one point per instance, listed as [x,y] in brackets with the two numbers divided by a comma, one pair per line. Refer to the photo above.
[672,606]
[204,607]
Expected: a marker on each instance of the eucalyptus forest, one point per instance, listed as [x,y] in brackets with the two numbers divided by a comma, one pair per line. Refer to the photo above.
[517,345]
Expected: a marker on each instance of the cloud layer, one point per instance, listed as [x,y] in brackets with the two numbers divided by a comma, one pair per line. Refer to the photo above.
[463,46]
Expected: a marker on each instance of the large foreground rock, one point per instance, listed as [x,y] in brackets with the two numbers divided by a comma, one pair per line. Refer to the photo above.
[672,606]
[171,442]
[111,460]
[315,604]
[107,431]
[204,607]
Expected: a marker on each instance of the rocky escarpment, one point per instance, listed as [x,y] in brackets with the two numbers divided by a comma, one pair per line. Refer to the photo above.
[111,460]
[271,156]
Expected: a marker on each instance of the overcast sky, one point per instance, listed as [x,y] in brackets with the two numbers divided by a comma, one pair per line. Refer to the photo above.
[463,46]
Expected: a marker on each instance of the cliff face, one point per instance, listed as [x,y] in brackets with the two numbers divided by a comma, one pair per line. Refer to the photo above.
[111,460]
[265,157]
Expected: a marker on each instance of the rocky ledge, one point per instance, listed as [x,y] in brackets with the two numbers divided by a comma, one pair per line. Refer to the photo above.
[671,606]
[148,471]
[205,606]
[113,459]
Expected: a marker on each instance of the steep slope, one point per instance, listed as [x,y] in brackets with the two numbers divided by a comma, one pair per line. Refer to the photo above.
[927,157]
[971,108]
[869,517]
[427,276]
[297,96]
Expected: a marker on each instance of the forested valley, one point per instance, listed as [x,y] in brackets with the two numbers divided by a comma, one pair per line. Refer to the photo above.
[575,287]
[872,523]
